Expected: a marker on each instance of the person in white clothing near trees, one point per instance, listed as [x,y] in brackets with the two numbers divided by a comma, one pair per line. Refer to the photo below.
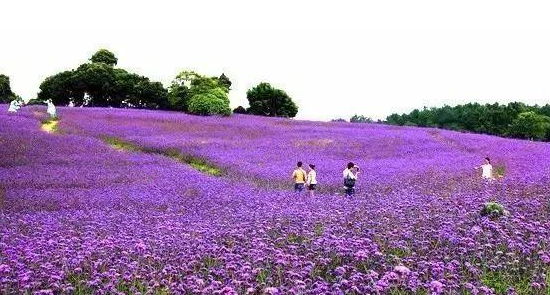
[311,182]
[486,169]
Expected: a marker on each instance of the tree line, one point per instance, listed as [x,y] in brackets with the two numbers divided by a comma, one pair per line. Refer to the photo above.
[514,119]
[99,83]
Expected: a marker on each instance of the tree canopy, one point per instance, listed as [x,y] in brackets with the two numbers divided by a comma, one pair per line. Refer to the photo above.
[265,100]
[6,95]
[200,95]
[104,56]
[98,83]
[530,125]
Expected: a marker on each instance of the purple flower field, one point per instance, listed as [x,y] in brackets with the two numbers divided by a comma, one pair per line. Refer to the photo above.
[78,216]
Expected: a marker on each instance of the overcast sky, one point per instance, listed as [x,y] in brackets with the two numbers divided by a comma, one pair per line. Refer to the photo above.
[334,58]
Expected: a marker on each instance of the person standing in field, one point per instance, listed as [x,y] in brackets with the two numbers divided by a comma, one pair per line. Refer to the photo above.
[350,177]
[51,109]
[311,180]
[486,169]
[299,176]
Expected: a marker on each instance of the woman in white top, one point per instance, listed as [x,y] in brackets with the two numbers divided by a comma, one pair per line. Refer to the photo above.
[486,169]
[311,182]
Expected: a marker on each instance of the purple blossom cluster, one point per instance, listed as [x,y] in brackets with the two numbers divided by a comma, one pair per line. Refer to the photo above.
[79,217]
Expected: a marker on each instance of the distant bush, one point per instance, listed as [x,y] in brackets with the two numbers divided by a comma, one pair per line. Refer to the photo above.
[493,210]
[240,110]
[360,119]
[338,120]
[208,103]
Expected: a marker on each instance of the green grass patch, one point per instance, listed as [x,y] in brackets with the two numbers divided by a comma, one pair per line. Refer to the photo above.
[49,125]
[501,281]
[499,171]
[172,153]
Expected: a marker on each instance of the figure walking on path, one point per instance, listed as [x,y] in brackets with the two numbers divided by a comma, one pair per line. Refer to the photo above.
[299,177]
[350,177]
[311,180]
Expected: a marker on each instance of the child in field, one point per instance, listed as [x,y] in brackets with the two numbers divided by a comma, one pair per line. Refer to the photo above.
[299,177]
[487,169]
[350,177]
[311,180]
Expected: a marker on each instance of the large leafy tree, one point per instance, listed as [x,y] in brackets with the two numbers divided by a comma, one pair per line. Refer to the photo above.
[265,100]
[6,95]
[200,95]
[178,97]
[104,56]
[99,83]
[62,89]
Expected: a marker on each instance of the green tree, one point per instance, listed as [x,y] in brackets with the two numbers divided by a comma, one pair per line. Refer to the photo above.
[98,80]
[207,96]
[265,100]
[209,102]
[178,97]
[61,89]
[151,95]
[224,81]
[104,56]
[6,95]
[530,125]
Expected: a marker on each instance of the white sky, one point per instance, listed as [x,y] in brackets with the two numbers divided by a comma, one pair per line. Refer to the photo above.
[335,58]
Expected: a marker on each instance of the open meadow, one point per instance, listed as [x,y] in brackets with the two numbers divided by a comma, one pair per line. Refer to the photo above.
[117,201]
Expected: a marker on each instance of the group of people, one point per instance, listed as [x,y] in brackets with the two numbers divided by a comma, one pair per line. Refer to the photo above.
[303,179]
[308,179]
[16,104]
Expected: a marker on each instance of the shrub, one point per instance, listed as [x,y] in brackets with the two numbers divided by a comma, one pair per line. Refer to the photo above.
[207,103]
[240,110]
[493,209]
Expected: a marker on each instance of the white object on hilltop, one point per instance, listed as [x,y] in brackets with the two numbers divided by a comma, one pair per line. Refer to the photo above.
[14,106]
[51,109]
